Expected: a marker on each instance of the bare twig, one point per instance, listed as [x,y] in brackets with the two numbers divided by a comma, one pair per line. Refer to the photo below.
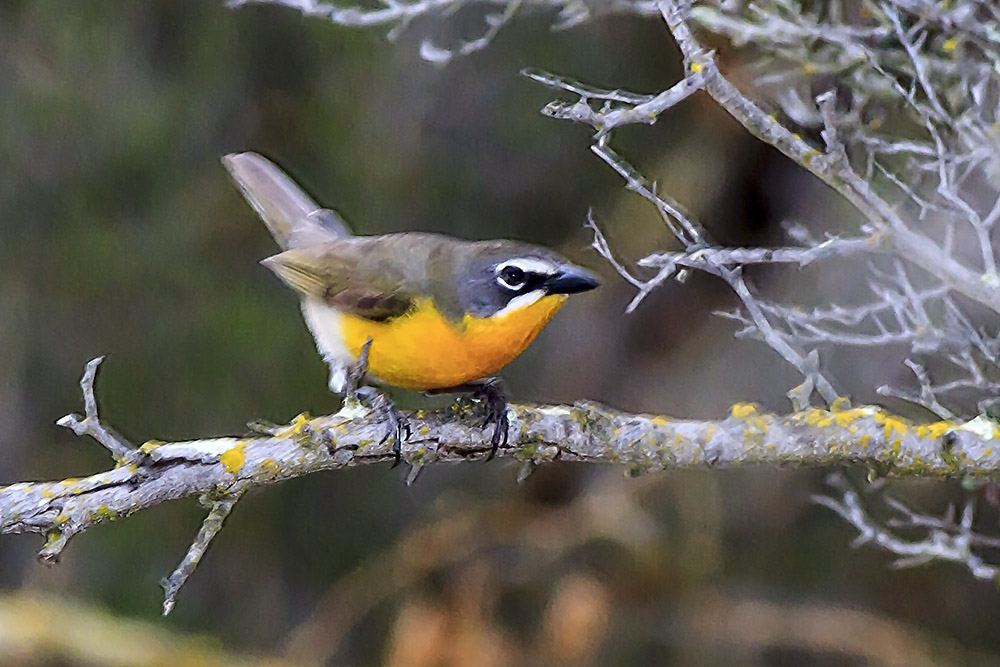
[398,15]
[696,238]
[210,527]
[91,424]
[945,540]
[709,259]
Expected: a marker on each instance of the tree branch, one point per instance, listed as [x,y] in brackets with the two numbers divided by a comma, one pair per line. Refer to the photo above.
[832,167]
[399,14]
[950,539]
[221,470]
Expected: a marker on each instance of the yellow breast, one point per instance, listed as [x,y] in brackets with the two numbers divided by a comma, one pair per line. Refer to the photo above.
[423,350]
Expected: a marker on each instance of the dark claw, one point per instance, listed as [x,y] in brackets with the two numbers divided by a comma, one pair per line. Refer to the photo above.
[398,426]
[491,392]
[399,429]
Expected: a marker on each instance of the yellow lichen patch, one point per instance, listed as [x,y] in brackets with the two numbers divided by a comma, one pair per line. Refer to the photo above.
[658,421]
[424,430]
[845,417]
[233,459]
[808,68]
[890,425]
[295,428]
[741,410]
[69,481]
[103,513]
[47,493]
[950,44]
[933,431]
[150,445]
[889,429]
[269,467]
[840,404]
[696,67]
[863,440]
[813,416]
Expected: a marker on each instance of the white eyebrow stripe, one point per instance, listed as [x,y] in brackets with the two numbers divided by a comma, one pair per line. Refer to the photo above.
[529,265]
[518,302]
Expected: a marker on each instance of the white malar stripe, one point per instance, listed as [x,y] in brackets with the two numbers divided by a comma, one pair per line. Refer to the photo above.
[324,323]
[529,265]
[519,302]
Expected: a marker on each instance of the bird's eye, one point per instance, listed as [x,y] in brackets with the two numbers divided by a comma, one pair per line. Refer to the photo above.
[512,277]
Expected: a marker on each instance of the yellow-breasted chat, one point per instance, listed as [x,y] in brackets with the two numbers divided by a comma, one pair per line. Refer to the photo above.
[413,310]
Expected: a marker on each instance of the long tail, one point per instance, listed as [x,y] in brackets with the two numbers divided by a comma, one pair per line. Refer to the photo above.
[292,217]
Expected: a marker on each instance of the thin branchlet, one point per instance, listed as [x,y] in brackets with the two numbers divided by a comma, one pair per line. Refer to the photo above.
[397,16]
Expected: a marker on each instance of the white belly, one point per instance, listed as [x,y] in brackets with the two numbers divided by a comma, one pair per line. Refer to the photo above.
[324,323]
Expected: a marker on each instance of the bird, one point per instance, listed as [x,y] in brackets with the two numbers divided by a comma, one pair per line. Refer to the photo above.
[414,310]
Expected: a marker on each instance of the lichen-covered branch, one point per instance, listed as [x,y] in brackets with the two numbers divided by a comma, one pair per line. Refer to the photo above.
[220,470]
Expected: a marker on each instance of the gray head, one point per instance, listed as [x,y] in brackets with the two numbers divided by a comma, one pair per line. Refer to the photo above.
[502,276]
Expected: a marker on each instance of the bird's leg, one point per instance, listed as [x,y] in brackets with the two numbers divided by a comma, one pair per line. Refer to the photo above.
[377,402]
[356,372]
[491,392]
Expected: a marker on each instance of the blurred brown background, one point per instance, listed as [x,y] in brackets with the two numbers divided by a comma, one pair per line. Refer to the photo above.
[122,235]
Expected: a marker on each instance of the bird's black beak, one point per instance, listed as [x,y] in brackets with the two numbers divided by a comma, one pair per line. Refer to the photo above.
[570,280]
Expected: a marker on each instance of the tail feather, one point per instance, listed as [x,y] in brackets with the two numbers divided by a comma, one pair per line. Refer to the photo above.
[292,217]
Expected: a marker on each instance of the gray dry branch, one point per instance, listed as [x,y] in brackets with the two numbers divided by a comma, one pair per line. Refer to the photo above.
[221,470]
[931,243]
[902,100]
[399,15]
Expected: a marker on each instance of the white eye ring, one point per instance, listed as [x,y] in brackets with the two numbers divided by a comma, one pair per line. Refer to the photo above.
[513,274]
[512,277]
[529,265]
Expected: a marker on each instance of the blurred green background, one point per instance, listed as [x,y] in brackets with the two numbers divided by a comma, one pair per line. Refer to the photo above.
[120,234]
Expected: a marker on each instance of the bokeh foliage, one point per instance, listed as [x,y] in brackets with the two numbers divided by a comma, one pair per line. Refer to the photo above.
[121,235]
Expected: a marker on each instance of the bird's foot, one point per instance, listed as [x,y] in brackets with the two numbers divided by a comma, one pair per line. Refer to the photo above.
[491,392]
[397,425]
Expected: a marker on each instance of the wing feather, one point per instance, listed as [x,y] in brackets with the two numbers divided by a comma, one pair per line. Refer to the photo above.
[346,275]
